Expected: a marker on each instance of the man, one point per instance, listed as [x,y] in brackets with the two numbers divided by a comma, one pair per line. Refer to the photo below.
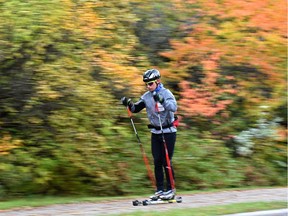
[158,101]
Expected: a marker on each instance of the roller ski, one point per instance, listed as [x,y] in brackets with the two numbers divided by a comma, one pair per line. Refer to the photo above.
[159,198]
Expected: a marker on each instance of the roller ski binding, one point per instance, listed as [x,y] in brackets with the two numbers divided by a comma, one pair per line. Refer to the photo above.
[159,197]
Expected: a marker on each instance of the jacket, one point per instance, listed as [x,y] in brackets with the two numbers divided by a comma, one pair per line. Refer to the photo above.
[166,109]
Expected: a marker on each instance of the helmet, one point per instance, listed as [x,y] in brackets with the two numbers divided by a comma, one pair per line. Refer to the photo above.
[151,75]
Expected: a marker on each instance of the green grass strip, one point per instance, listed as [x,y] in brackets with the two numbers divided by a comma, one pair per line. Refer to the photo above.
[214,210]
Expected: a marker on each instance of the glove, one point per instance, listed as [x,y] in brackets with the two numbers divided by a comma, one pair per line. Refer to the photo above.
[158,98]
[127,102]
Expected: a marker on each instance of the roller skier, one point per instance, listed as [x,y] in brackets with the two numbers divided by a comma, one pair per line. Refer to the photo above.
[160,106]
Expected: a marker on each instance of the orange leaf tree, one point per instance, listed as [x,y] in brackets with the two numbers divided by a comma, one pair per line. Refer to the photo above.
[236,48]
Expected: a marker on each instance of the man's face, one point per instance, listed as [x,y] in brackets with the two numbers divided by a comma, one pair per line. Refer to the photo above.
[151,85]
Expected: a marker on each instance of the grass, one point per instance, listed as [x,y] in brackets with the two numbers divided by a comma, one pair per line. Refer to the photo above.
[37,201]
[215,210]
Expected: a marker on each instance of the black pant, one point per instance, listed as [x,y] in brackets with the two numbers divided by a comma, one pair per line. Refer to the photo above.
[158,152]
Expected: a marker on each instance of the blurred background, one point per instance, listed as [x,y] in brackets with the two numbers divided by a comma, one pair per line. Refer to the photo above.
[65,64]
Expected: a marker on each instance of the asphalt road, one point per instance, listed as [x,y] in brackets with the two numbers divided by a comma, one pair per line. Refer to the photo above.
[277,212]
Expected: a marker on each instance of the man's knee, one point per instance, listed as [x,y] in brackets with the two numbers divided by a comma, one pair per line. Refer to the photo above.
[158,162]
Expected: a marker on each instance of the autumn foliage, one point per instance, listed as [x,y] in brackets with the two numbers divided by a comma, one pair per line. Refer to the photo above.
[245,36]
[205,98]
[64,65]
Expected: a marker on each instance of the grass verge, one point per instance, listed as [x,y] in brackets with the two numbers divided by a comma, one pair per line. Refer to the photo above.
[37,201]
[214,210]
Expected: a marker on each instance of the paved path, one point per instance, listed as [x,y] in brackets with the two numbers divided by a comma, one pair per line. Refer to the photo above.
[125,206]
[277,212]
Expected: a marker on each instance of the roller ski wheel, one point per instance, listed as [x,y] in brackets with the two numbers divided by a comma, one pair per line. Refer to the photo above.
[145,202]
[178,199]
[136,203]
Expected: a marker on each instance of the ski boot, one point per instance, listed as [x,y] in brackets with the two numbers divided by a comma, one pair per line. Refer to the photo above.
[169,195]
[157,195]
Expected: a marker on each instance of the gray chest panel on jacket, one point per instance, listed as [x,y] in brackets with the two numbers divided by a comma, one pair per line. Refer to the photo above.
[167,109]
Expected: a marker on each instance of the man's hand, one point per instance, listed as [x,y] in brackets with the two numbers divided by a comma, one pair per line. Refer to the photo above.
[127,102]
[158,97]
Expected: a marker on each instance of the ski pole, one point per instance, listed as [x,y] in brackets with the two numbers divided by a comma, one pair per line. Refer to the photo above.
[166,151]
[145,158]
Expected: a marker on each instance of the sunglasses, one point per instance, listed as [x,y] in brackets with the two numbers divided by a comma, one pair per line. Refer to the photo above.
[150,83]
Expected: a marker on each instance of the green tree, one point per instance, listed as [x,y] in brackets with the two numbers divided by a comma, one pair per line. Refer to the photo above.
[59,61]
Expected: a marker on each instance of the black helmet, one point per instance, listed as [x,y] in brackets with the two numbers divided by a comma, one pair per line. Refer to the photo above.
[151,75]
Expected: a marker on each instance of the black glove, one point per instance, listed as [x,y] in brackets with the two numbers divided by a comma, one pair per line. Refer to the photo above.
[158,98]
[127,102]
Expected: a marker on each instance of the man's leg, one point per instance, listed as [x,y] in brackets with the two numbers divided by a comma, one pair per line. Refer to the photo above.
[170,139]
[157,149]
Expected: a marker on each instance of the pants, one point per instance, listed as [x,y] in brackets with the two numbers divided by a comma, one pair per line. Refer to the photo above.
[158,152]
